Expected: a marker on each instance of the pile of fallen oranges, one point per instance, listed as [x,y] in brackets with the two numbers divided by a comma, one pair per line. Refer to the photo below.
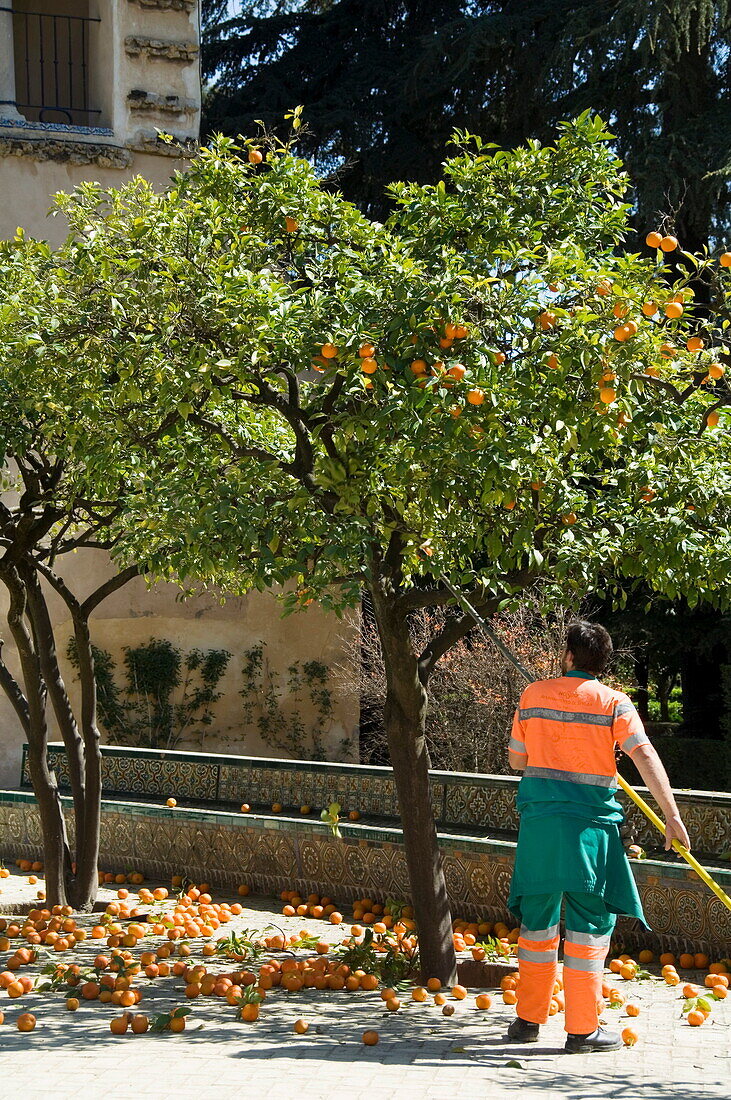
[147,934]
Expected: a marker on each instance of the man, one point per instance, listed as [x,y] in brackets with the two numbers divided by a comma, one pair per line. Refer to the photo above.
[569,848]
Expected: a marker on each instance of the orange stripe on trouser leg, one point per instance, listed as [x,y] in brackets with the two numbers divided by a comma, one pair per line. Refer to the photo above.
[538,967]
[583,970]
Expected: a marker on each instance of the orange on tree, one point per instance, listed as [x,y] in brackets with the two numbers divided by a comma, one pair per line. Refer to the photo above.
[653,239]
[669,243]
[725,259]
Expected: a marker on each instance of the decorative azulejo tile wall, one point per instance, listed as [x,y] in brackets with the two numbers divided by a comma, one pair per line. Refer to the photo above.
[479,803]
[273,852]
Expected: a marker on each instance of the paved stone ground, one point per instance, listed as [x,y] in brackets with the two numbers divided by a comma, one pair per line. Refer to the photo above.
[421,1053]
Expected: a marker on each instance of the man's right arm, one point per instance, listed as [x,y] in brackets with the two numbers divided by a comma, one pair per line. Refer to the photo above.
[517,756]
[655,778]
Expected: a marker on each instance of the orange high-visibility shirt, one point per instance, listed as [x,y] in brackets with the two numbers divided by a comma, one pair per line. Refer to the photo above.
[566,730]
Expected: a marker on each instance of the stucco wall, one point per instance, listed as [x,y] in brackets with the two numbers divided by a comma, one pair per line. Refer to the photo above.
[27,185]
[135,614]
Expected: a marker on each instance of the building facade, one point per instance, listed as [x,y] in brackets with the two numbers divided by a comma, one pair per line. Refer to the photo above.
[86,87]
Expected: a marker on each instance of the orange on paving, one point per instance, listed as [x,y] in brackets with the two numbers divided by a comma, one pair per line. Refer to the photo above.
[483,1001]
[629,1037]
[26,1021]
[695,1017]
[370,1038]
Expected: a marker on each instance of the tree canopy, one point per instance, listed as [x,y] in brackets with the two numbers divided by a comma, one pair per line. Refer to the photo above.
[384,84]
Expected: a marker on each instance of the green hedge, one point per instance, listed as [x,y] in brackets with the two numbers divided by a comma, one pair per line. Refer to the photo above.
[699,763]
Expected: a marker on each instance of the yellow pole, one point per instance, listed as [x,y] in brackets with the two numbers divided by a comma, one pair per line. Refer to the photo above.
[679,848]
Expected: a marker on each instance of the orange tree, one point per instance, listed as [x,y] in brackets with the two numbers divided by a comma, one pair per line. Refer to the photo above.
[480,386]
[49,408]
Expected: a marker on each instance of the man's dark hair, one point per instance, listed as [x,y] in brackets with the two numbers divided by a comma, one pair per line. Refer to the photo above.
[591,646]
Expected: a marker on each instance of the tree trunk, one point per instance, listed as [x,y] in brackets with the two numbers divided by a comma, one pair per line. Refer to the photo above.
[404,718]
[45,644]
[56,855]
[87,878]
[642,675]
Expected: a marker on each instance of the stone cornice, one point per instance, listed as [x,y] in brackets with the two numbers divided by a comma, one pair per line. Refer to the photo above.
[61,150]
[166,5]
[148,141]
[140,100]
[137,44]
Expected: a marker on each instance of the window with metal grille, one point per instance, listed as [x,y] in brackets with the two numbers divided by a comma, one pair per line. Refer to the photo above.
[52,62]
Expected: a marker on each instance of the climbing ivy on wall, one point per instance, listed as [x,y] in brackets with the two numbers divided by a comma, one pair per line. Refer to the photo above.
[147,711]
[275,706]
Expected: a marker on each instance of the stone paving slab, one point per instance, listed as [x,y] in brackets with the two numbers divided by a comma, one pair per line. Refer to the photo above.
[420,1054]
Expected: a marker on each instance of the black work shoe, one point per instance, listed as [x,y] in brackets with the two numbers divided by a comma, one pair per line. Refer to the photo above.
[520,1031]
[597,1040]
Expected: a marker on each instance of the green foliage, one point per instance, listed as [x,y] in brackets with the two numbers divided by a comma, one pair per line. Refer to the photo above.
[414,71]
[276,710]
[144,712]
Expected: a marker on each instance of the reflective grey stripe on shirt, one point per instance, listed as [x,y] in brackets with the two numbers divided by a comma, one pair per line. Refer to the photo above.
[571,777]
[539,934]
[591,965]
[538,956]
[517,746]
[635,740]
[588,939]
[623,708]
[566,716]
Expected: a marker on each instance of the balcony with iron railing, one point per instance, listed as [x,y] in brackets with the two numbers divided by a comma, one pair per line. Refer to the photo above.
[51,67]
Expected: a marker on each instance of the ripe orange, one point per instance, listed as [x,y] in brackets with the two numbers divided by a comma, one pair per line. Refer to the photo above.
[366,351]
[370,1038]
[301,1027]
[434,985]
[118,1024]
[483,1001]
[393,1004]
[712,419]
[255,157]
[140,1024]
[72,1004]
[328,351]
[673,310]
[653,239]
[26,1021]
[291,225]
[694,343]
[696,1017]
[276,807]
[475,397]
[568,518]
[178,1022]
[607,395]
[419,993]
[690,990]
[716,370]
[669,243]
[686,961]
[725,259]
[510,997]
[649,308]
[459,992]
[354,815]
[546,320]
[629,1037]
[632,1009]
[171,802]
[667,959]
[245,808]
[700,961]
